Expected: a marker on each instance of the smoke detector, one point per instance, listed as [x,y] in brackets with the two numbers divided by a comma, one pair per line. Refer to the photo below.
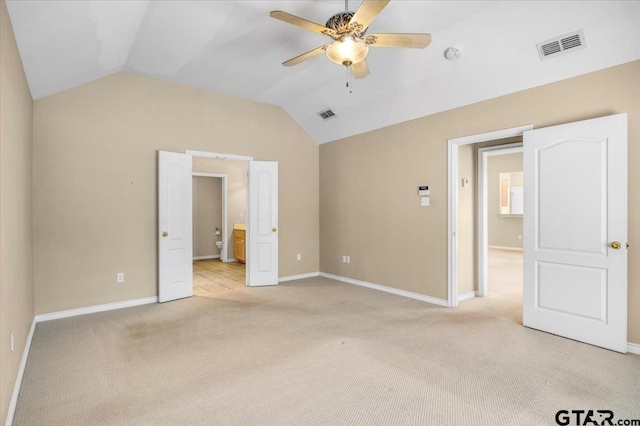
[452,53]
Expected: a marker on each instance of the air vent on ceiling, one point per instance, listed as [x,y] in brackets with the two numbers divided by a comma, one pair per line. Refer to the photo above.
[327,114]
[561,45]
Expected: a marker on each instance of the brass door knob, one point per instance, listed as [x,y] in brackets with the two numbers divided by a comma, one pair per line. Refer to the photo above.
[165,234]
[274,229]
[616,245]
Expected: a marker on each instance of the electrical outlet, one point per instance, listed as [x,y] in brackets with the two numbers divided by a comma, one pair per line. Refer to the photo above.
[299,256]
[12,342]
[241,216]
[519,237]
[344,259]
[120,277]
[348,259]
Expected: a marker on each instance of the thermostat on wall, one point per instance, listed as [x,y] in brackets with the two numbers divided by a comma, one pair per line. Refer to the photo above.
[423,190]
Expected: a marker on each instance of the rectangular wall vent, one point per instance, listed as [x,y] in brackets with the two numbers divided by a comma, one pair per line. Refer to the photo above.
[560,45]
[327,114]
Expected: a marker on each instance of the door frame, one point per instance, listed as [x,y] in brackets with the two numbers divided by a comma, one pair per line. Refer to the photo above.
[217,155]
[482,225]
[221,156]
[452,199]
[224,254]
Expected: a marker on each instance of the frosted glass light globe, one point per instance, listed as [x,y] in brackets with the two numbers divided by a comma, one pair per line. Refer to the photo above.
[347,51]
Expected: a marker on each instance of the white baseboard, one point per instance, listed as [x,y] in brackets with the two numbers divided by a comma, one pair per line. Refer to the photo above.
[633,348]
[231,259]
[298,277]
[213,256]
[396,291]
[96,308]
[466,296]
[506,248]
[23,364]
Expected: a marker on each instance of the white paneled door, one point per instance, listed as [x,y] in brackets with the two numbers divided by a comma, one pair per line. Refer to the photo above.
[262,261]
[175,224]
[575,231]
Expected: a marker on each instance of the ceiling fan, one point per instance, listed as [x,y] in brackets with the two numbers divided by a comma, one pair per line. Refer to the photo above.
[351,44]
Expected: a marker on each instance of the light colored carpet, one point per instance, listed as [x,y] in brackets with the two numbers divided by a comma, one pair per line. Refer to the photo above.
[316,352]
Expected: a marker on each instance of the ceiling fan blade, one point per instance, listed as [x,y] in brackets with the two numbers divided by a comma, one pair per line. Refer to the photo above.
[310,54]
[360,69]
[302,23]
[366,13]
[414,41]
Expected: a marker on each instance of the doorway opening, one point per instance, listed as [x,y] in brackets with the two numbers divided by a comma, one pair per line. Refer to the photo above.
[257,222]
[490,229]
[469,254]
[500,210]
[500,213]
[219,225]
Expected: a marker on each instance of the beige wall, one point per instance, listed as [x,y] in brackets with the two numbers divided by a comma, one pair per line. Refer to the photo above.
[236,171]
[502,231]
[16,248]
[368,203]
[467,219]
[207,215]
[95,181]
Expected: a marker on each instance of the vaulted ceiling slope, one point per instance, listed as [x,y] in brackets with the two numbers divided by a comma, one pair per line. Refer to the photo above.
[234,47]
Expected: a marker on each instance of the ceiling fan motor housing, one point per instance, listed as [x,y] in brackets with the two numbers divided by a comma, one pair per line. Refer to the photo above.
[340,22]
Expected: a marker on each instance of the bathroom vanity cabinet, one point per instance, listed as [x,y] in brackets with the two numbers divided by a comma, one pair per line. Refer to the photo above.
[239,237]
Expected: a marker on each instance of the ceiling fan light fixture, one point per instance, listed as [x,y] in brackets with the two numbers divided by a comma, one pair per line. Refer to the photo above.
[350,41]
[347,51]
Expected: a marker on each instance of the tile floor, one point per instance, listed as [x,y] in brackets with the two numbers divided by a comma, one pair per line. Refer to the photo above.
[211,276]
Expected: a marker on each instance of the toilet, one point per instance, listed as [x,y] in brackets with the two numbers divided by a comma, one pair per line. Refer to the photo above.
[219,245]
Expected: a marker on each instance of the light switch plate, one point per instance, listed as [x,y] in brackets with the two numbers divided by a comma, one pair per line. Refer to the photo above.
[424,201]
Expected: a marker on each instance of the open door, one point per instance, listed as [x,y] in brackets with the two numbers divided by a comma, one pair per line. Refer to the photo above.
[575,231]
[175,224]
[262,262]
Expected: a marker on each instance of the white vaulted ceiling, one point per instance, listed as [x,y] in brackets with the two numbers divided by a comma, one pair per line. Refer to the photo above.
[234,47]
